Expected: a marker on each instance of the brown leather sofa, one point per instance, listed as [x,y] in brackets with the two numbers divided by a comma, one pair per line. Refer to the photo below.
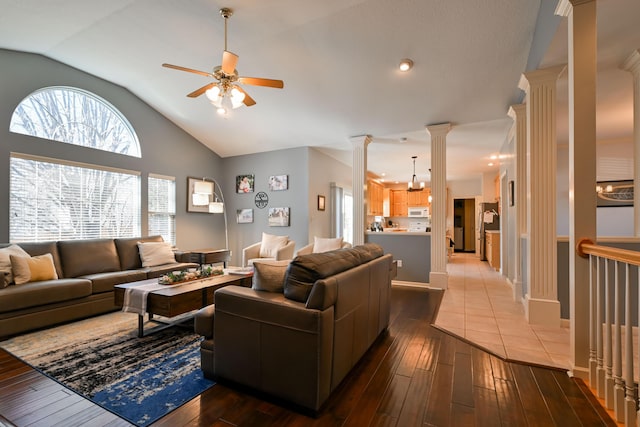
[300,344]
[87,272]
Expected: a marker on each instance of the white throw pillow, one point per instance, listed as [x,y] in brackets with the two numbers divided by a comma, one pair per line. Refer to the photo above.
[5,260]
[156,253]
[269,275]
[270,245]
[324,244]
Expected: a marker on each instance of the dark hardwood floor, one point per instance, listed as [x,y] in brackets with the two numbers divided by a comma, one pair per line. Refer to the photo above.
[414,375]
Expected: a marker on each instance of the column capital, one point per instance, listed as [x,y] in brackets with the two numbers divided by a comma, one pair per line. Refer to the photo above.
[565,7]
[516,110]
[542,76]
[440,129]
[632,63]
[361,140]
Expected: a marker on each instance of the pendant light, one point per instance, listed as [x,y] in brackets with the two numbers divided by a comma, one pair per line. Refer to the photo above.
[413,184]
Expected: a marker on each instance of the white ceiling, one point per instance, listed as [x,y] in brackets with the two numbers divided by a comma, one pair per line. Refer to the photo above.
[338,59]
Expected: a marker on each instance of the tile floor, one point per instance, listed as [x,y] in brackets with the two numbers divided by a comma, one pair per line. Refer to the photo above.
[479,307]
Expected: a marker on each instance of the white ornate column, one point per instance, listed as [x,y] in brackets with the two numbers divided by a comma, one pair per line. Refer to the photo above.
[359,183]
[632,64]
[582,167]
[518,113]
[438,276]
[542,305]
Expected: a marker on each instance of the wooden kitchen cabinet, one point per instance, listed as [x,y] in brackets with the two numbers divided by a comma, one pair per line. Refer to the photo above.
[418,198]
[398,202]
[492,248]
[375,196]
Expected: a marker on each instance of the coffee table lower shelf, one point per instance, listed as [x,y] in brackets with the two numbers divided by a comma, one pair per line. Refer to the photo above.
[175,300]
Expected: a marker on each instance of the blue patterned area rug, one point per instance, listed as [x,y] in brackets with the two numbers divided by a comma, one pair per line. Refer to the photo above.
[139,379]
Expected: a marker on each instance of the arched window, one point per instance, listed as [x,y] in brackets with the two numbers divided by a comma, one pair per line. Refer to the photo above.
[75,116]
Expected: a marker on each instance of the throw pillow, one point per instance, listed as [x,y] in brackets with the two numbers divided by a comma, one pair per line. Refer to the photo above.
[156,253]
[323,244]
[5,260]
[33,269]
[270,245]
[269,275]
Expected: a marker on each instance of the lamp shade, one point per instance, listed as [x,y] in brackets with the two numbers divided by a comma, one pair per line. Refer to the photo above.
[216,207]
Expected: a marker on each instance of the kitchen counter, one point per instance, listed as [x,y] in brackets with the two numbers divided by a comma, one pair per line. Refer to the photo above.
[412,248]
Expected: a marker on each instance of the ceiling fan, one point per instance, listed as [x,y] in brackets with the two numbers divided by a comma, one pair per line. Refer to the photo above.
[226,94]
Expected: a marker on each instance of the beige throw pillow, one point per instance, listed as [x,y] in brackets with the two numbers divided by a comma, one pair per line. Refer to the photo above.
[323,244]
[269,275]
[270,245]
[5,261]
[33,269]
[156,253]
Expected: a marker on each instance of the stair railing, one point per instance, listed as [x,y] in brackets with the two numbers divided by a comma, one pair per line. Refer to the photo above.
[613,279]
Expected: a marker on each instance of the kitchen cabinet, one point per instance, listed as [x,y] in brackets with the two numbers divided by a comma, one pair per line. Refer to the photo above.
[418,198]
[374,198]
[398,202]
[492,248]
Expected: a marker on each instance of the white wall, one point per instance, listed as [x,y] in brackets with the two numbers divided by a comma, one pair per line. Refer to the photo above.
[614,162]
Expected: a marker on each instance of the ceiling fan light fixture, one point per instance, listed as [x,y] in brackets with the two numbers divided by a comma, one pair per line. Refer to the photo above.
[237,97]
[405,65]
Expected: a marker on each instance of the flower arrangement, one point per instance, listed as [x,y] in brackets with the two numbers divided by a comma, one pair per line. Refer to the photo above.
[181,276]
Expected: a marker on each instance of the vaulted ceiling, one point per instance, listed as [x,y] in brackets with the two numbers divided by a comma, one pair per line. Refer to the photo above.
[338,59]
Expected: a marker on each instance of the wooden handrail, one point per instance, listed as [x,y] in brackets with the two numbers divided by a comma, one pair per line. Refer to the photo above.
[586,247]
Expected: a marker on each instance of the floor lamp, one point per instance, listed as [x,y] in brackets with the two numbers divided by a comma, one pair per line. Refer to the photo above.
[217,206]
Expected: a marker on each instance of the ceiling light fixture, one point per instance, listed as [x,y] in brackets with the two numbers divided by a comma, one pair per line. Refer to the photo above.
[406,64]
[413,184]
[226,96]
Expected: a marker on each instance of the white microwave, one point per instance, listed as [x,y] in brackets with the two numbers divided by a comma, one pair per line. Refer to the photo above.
[418,212]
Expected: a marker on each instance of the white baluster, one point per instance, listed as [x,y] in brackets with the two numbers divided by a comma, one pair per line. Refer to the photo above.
[599,329]
[593,321]
[618,384]
[608,339]
[629,399]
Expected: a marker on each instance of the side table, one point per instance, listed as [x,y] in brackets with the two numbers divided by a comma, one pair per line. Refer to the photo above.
[207,256]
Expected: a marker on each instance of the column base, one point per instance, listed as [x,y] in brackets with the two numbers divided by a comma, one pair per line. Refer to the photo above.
[542,311]
[439,280]
[517,290]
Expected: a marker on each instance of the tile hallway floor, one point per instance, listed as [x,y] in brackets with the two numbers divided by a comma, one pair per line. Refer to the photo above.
[479,307]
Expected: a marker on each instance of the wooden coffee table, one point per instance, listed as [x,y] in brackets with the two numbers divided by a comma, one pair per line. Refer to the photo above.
[174,300]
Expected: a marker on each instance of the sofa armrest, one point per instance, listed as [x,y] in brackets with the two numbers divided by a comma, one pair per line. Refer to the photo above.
[203,323]
[286,252]
[250,252]
[305,250]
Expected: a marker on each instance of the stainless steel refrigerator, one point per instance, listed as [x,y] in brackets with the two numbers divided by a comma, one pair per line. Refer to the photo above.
[488,219]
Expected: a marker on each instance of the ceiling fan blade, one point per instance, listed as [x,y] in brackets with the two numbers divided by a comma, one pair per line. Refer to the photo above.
[200,91]
[257,81]
[229,61]
[189,70]
[248,101]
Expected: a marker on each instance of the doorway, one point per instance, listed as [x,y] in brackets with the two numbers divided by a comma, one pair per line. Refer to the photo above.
[464,225]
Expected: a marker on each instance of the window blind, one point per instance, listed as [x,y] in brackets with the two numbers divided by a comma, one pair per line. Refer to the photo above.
[162,207]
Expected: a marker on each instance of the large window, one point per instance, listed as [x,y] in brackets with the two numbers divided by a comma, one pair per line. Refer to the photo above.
[54,200]
[75,116]
[162,207]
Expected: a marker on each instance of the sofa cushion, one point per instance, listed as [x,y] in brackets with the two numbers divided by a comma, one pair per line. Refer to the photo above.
[325,244]
[269,275]
[128,251]
[33,269]
[82,257]
[270,245]
[156,253]
[5,262]
[41,248]
[104,282]
[304,270]
[35,294]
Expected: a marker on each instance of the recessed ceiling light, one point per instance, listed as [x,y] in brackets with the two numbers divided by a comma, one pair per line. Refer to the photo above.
[406,64]
[490,164]
[493,157]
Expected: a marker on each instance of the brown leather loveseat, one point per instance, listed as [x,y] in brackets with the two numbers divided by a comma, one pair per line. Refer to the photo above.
[87,271]
[299,344]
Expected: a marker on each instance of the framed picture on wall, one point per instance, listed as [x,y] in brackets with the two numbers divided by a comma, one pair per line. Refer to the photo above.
[245,183]
[244,216]
[321,202]
[278,182]
[614,193]
[278,217]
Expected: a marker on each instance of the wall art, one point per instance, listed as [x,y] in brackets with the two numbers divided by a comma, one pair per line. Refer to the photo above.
[244,216]
[245,183]
[278,217]
[278,182]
